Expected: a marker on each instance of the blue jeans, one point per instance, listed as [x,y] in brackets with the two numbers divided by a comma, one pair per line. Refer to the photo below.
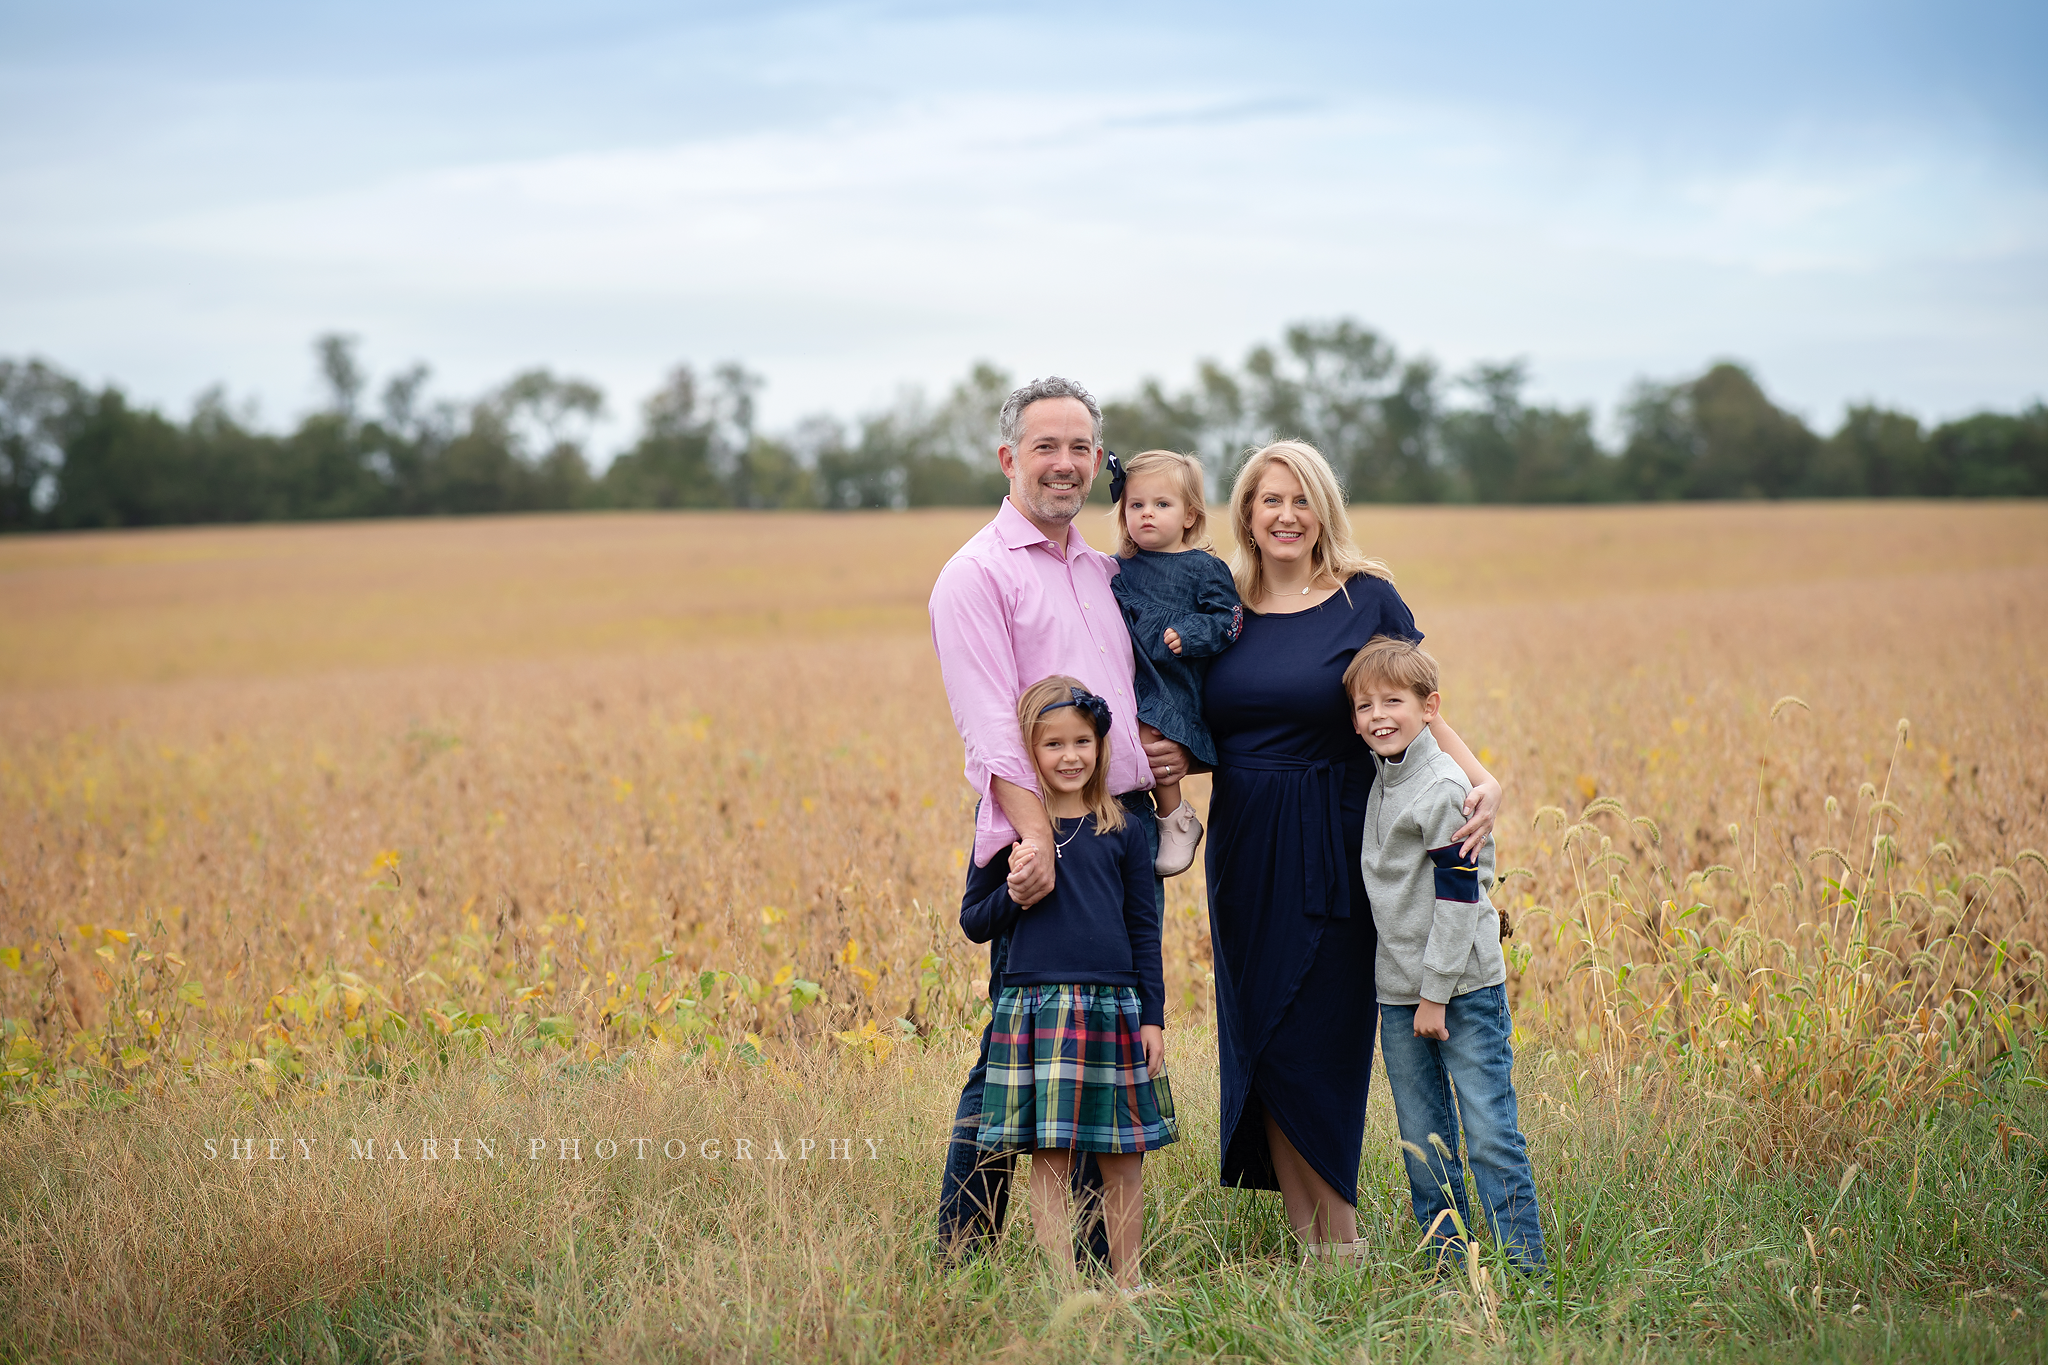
[974,1193]
[1479,1062]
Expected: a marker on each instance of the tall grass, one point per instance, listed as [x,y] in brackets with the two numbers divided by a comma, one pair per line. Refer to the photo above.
[1901,980]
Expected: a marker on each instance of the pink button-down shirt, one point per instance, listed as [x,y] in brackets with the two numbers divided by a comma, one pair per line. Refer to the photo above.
[1008,610]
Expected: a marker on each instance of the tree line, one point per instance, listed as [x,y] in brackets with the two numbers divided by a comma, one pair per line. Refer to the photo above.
[1397,428]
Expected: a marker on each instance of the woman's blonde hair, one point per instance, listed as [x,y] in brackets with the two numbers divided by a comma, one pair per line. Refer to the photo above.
[1336,554]
[1188,468]
[1107,810]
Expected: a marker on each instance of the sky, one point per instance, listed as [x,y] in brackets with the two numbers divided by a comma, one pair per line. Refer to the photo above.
[854,198]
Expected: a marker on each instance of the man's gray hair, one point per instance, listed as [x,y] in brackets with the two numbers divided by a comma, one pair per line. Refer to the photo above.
[1011,425]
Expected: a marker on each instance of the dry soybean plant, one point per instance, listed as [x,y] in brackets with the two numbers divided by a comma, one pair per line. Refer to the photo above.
[1826,991]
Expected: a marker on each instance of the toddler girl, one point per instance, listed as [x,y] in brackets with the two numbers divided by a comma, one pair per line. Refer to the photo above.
[1181,607]
[1077,1053]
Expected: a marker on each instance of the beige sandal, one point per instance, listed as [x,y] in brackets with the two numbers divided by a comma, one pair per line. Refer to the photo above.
[1334,1252]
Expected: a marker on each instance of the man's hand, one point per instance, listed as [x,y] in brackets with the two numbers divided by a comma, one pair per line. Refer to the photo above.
[1429,1021]
[1482,806]
[1172,639]
[1169,760]
[1031,874]
[1154,1039]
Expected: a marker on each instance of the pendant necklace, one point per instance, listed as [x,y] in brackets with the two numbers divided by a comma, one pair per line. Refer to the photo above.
[1059,843]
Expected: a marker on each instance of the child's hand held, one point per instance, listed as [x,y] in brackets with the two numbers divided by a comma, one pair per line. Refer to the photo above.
[1172,639]
[1030,879]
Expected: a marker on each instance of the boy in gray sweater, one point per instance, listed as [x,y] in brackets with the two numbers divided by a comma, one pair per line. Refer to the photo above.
[1440,973]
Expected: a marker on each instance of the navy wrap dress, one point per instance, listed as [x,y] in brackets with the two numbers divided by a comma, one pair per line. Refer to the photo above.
[1289,923]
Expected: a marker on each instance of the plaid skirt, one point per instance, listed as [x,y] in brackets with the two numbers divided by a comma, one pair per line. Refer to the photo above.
[1066,1069]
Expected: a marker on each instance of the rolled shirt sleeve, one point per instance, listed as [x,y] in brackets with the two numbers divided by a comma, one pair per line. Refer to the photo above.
[978,664]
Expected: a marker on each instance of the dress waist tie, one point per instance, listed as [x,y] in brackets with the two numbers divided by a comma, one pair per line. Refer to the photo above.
[1314,805]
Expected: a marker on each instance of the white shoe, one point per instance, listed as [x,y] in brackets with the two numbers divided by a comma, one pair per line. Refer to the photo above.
[1179,834]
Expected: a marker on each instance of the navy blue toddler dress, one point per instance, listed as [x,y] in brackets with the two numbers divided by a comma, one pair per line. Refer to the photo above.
[1289,923]
[1190,592]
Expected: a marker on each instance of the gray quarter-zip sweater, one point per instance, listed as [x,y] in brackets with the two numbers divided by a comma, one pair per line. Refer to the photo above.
[1439,936]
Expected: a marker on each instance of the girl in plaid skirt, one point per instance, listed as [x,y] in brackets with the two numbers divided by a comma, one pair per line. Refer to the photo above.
[1077,1056]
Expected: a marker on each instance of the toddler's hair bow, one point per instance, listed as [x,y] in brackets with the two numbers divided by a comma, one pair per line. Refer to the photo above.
[1089,705]
[1116,480]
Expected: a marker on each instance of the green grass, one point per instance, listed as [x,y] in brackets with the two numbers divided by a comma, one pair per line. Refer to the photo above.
[119,1239]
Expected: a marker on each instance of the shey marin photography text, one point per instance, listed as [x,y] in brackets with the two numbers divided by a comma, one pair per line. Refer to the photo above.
[552,1148]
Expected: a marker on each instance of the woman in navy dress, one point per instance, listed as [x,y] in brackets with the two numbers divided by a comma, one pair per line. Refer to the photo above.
[1290,927]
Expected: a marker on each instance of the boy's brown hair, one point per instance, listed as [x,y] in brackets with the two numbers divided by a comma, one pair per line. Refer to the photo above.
[1390,659]
[1059,690]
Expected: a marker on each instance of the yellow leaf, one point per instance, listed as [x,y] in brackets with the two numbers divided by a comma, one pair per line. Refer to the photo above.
[850,954]
[10,958]
[118,935]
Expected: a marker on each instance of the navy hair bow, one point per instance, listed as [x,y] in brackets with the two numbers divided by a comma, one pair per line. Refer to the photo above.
[1089,705]
[1116,480]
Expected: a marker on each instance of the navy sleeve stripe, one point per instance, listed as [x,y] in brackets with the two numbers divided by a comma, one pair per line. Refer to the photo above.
[1456,878]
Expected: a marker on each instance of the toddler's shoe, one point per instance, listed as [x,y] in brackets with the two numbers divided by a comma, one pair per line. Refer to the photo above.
[1179,834]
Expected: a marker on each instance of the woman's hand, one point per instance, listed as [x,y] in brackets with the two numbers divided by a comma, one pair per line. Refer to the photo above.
[1482,808]
[1031,874]
[1154,1039]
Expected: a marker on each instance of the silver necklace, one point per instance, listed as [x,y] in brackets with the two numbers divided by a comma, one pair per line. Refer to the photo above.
[1059,843]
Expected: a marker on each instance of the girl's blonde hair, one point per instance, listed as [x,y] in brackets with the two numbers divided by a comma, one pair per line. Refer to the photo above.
[1107,810]
[1188,468]
[1335,554]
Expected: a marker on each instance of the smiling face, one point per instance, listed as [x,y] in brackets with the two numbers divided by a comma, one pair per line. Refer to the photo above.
[1284,526]
[1064,750]
[1156,512]
[1389,717]
[1053,462]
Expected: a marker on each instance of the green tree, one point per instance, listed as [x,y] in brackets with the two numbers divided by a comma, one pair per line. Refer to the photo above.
[39,405]
[670,465]
[1991,455]
[1717,436]
[122,467]
[1504,451]
[1874,453]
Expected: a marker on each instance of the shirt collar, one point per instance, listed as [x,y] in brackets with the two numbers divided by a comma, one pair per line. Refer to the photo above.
[1423,749]
[1016,532]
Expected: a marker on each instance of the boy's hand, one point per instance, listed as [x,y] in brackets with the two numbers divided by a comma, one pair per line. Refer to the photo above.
[1172,638]
[1154,1039]
[1429,1021]
[1031,874]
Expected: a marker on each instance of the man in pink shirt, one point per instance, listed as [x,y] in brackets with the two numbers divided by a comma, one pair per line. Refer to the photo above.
[1026,598]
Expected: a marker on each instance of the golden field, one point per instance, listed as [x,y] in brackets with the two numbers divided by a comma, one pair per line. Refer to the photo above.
[290,811]
[500,766]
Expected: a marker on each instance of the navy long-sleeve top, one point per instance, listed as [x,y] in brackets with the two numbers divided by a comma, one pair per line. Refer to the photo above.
[1099,927]
[1190,592]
